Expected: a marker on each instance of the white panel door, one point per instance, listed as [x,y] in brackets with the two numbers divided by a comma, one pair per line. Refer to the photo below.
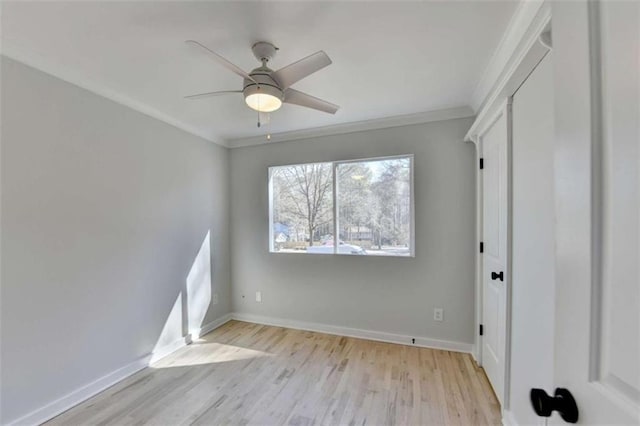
[597,176]
[494,142]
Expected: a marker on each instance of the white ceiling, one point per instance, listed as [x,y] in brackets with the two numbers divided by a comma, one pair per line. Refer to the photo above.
[389,58]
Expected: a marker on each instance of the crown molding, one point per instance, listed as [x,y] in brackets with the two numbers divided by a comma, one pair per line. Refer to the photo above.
[357,126]
[516,31]
[522,60]
[38,62]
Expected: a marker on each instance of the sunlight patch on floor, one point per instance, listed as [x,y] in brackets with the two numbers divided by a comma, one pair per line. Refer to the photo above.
[202,353]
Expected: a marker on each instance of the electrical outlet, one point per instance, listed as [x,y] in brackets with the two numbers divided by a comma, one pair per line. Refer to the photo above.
[214,298]
[438,314]
[258,296]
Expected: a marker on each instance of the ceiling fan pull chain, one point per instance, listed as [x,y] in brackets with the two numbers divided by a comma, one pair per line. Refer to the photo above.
[259,115]
[264,118]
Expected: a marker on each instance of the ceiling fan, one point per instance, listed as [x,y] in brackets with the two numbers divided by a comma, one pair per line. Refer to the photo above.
[265,90]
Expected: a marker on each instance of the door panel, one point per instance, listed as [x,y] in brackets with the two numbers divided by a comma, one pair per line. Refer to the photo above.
[619,339]
[597,115]
[495,204]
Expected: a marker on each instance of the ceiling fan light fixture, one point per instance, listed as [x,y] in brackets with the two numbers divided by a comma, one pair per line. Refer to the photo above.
[263,98]
[263,102]
[264,89]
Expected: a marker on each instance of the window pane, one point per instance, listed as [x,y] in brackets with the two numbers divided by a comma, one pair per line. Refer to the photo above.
[374,206]
[302,208]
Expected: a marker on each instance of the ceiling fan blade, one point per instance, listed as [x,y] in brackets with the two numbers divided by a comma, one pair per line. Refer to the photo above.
[222,61]
[211,94]
[298,70]
[292,96]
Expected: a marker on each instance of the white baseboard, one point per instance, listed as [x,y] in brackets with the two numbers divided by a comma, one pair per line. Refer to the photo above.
[379,336]
[474,354]
[79,395]
[163,351]
[508,419]
[196,333]
[210,326]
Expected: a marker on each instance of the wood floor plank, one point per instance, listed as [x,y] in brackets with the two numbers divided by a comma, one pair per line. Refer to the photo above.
[250,374]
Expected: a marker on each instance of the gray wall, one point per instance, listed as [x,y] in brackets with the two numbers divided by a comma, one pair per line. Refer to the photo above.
[104,211]
[395,295]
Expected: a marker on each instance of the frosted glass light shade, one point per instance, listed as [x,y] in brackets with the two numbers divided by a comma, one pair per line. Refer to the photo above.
[263,102]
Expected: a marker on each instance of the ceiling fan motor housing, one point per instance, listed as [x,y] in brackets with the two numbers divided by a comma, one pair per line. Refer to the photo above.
[263,84]
[264,51]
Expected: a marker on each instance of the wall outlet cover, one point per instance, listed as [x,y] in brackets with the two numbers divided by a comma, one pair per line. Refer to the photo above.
[438,314]
[258,296]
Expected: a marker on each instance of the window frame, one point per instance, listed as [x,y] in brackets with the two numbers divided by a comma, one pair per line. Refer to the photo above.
[335,208]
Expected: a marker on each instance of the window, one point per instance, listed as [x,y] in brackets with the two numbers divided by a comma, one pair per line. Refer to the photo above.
[367,203]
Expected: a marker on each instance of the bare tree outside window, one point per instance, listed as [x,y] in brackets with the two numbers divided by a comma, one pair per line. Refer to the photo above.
[303,206]
[373,206]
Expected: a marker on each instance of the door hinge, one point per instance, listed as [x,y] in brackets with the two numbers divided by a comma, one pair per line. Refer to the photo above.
[481,330]
[481,247]
[481,163]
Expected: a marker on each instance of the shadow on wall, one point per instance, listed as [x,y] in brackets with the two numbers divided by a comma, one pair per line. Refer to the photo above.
[190,306]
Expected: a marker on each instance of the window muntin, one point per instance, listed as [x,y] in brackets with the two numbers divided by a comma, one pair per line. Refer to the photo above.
[372,210]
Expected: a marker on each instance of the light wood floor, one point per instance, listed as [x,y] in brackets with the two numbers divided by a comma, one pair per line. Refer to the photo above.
[246,373]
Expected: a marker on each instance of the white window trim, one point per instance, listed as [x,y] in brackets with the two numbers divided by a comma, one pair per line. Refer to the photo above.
[336,225]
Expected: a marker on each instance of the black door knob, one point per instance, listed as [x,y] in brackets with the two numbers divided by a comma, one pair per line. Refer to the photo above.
[562,401]
[497,276]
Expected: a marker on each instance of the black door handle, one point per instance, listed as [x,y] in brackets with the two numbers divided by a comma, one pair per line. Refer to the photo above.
[497,276]
[562,401]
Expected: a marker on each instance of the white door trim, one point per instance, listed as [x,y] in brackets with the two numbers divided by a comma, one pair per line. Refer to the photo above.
[524,59]
[528,53]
